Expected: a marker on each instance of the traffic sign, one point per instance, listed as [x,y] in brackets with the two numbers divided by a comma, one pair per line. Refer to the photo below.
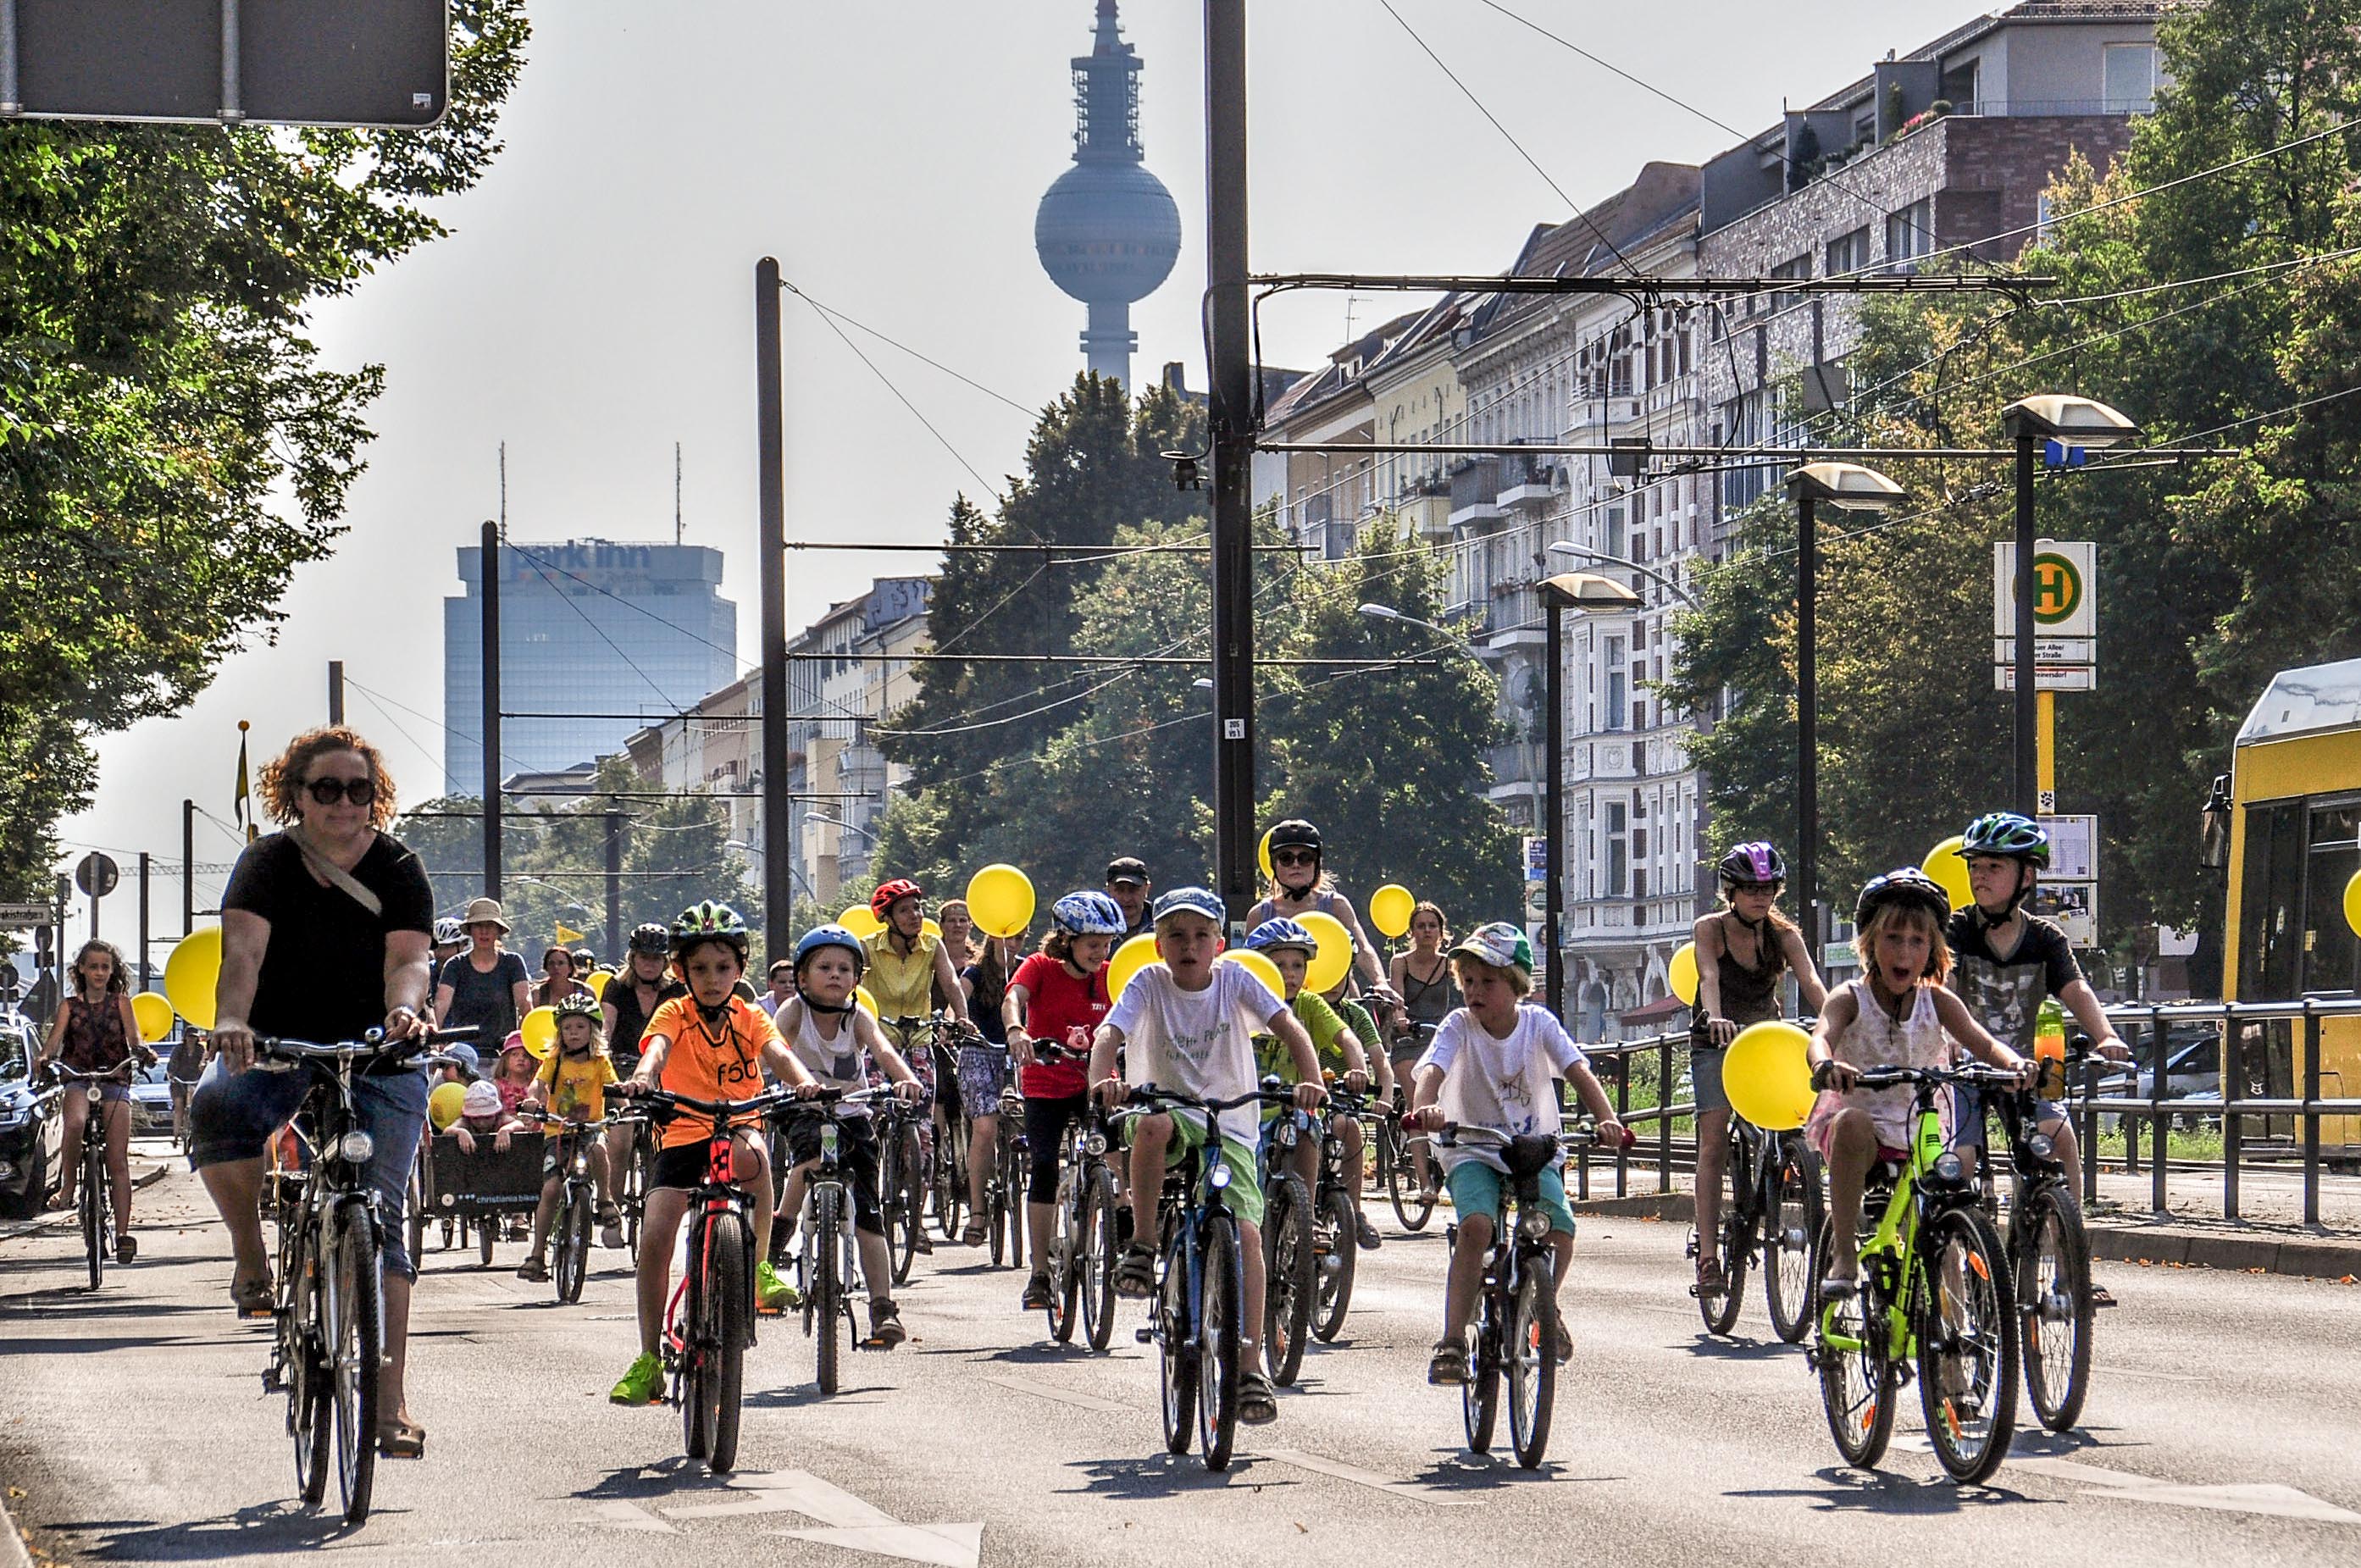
[24,916]
[97,875]
[2064,588]
[2049,677]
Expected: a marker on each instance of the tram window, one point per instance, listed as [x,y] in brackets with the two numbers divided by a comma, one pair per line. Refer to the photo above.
[2270,962]
[2332,954]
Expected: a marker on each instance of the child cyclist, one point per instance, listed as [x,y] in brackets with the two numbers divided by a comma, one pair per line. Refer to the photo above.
[1289,947]
[828,1037]
[571,1087]
[1897,1014]
[1742,950]
[1492,1066]
[1189,1026]
[1057,996]
[710,1044]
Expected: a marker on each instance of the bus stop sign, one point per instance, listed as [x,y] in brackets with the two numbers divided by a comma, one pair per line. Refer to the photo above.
[365,63]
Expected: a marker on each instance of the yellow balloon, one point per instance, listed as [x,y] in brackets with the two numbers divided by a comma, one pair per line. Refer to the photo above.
[1681,974]
[443,1105]
[861,921]
[1943,863]
[1129,959]
[1000,898]
[1390,909]
[1766,1077]
[2353,903]
[1334,961]
[598,981]
[862,1000]
[540,1028]
[927,927]
[155,1015]
[191,972]
[1261,968]
[1262,854]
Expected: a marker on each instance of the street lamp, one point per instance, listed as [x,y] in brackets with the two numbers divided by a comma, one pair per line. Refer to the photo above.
[822,818]
[2073,422]
[1388,612]
[1581,552]
[1844,484]
[1592,595]
[2213,827]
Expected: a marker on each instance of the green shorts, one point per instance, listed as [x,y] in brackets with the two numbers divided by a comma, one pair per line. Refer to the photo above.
[1246,1187]
[1476,1188]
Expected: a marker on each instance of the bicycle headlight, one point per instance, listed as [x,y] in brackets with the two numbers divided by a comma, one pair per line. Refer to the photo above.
[1094,1143]
[1947,1166]
[2040,1146]
[1534,1224]
[1221,1177]
[355,1146]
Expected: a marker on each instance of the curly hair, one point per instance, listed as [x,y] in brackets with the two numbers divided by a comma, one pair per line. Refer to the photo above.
[118,983]
[284,776]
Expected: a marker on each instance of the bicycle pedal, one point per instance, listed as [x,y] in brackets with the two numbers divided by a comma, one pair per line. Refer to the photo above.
[1143,1336]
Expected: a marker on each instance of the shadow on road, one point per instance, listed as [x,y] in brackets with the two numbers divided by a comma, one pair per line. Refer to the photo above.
[808,1394]
[1461,1470]
[1176,1475]
[1738,1349]
[258,1531]
[1875,1492]
[665,1478]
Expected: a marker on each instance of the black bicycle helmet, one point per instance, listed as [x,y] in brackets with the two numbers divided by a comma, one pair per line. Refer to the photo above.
[2005,833]
[1756,862]
[1295,834]
[1906,885]
[652,939]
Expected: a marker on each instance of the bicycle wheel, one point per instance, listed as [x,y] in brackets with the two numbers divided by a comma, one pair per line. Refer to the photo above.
[1221,1306]
[93,1201]
[1063,1262]
[901,1244]
[1178,1351]
[1479,1397]
[1091,1268]
[488,1231]
[301,1364]
[696,1366]
[1965,1313]
[1412,1204]
[1790,1289]
[722,1331]
[413,1214]
[827,1280]
[572,1243]
[951,1179]
[1731,1242]
[2053,1301]
[1336,1251]
[1020,1178]
[1532,1371]
[353,1329]
[1857,1383]
[635,1192]
[1290,1274]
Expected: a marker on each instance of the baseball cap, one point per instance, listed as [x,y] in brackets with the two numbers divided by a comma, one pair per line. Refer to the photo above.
[1127,868]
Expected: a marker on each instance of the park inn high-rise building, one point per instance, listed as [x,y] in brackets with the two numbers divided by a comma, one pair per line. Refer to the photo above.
[628,634]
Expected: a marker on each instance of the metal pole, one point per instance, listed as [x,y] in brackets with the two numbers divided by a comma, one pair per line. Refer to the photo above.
[233,96]
[335,691]
[1554,802]
[1231,377]
[2160,1121]
[2310,1113]
[490,583]
[144,875]
[10,106]
[615,885]
[2028,784]
[1807,723]
[188,866]
[771,543]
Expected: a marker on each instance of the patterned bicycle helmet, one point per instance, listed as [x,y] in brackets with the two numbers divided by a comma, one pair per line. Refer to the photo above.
[1189,901]
[706,922]
[890,893]
[2005,833]
[1087,913]
[1281,932]
[820,936]
[448,932]
[580,1004]
[1755,862]
[1906,885]
[1295,833]
[1498,943]
[652,939]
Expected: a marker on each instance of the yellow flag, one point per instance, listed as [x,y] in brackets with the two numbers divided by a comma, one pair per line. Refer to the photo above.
[567,934]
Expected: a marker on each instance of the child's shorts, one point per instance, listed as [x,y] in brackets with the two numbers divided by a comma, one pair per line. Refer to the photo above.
[1477,1188]
[1245,1186]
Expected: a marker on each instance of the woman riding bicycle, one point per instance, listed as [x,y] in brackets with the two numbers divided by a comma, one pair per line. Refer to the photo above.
[1299,886]
[1742,949]
[1430,994]
[95,1032]
[325,929]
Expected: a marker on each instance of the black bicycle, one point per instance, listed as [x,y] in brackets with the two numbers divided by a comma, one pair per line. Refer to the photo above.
[1335,1228]
[328,1315]
[828,1255]
[630,1183]
[1399,1153]
[95,1204]
[901,1182]
[1083,1238]
[2049,1259]
[1773,1211]
[1291,1265]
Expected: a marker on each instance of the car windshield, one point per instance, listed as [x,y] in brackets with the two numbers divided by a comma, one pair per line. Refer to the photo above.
[12,1063]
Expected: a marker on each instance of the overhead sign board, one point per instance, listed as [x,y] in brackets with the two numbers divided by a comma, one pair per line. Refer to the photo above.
[2064,588]
[363,63]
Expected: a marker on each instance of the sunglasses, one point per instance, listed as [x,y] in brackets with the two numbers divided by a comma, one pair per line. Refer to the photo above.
[1770,887]
[327,792]
[1293,858]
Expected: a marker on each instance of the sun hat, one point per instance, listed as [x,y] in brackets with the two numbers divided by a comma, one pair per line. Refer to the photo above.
[485,912]
[483,1098]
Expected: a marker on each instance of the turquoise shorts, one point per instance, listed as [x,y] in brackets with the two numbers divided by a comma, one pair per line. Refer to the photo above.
[1476,1188]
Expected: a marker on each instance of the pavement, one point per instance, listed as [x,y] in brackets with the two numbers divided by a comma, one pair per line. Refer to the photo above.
[133,1430]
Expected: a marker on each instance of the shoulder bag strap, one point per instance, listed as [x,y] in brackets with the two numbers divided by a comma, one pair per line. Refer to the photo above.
[334,876]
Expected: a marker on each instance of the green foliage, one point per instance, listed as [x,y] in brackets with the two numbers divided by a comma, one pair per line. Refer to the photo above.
[158,384]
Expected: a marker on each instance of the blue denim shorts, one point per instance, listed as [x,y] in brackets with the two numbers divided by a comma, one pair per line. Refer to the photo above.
[232,1116]
[1968,1115]
[1476,1188]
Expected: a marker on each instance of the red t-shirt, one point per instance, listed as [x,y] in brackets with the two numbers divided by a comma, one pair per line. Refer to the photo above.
[1064,1011]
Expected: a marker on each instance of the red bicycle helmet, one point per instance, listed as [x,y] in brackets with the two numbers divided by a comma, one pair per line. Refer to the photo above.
[890,893]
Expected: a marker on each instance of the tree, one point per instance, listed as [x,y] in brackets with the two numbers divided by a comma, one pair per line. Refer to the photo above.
[158,384]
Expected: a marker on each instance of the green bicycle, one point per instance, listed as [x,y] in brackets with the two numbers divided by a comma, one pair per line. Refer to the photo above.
[1934,1292]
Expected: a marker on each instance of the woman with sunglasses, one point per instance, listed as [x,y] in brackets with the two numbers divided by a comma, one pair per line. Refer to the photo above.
[1744,950]
[1297,886]
[326,928]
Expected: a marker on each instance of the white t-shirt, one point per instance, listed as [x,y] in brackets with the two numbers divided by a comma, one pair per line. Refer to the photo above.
[1197,1042]
[1509,1085]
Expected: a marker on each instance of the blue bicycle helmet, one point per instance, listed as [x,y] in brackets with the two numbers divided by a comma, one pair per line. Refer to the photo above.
[2006,834]
[1087,913]
[1281,932]
[821,937]
[1191,901]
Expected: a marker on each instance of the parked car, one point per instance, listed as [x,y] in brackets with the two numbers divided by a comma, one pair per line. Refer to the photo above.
[151,1099]
[32,1130]
[2192,1071]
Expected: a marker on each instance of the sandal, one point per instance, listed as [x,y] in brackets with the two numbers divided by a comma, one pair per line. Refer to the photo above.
[1449,1362]
[1257,1401]
[971,1235]
[1135,1275]
[399,1439]
[127,1247]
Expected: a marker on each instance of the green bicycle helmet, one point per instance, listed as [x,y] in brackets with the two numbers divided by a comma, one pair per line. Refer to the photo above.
[2005,834]
[708,922]
[580,1004]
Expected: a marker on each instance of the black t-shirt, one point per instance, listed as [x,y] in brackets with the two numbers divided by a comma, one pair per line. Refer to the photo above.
[624,994]
[2006,997]
[486,1000]
[323,969]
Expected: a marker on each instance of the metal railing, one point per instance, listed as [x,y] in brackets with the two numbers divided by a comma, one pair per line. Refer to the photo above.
[2145,1028]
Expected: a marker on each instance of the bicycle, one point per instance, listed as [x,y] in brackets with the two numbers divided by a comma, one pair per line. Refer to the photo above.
[828,1259]
[1082,1244]
[1934,1285]
[1004,1185]
[577,1199]
[1774,1210]
[2049,1264]
[1336,1230]
[1291,1267]
[1397,1159]
[709,1322]
[901,1185]
[630,1183]
[1197,1311]
[1516,1316]
[327,1315]
[95,1203]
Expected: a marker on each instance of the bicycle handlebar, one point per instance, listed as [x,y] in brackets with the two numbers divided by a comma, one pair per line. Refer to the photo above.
[1581,1132]
[1894,1077]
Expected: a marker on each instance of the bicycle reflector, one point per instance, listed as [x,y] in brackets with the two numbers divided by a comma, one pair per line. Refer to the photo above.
[355,1146]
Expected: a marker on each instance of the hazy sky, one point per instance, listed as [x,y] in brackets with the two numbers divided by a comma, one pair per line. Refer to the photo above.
[593,304]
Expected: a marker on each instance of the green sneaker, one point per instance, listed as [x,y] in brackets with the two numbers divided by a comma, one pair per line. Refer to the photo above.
[773,1294]
[642,1384]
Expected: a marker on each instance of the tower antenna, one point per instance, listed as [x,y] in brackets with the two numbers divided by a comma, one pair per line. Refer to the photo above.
[676,492]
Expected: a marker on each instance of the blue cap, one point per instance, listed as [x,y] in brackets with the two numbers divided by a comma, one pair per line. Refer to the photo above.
[1188,899]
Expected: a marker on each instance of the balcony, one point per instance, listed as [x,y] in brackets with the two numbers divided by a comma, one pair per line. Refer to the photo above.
[1527,481]
[1475,490]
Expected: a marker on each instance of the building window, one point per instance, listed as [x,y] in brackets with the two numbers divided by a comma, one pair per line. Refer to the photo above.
[2131,78]
[1962,86]
[1794,266]
[1618,850]
[1910,232]
[1848,253]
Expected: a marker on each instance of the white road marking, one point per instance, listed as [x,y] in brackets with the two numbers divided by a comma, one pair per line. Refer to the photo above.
[1041,1390]
[2238,1497]
[1337,1469]
[630,1516]
[845,1521]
